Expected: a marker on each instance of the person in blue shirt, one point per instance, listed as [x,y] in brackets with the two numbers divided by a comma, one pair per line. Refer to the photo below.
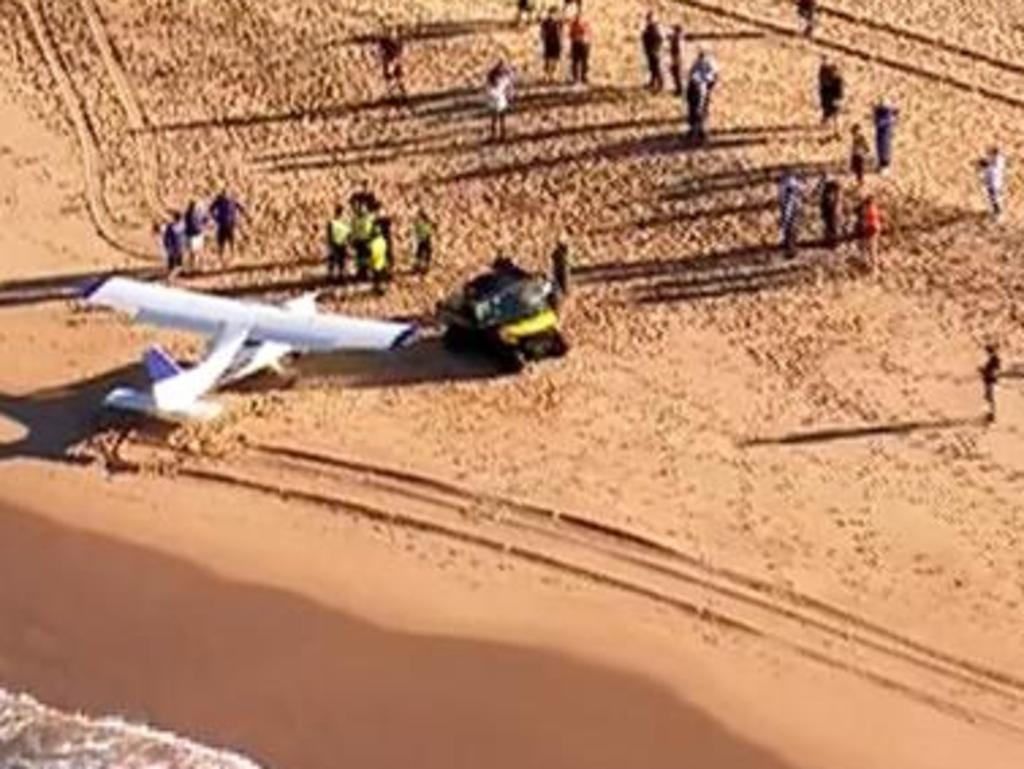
[225,211]
[885,117]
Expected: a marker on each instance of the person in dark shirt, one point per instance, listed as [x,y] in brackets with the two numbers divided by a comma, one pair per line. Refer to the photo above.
[990,378]
[172,238]
[859,151]
[830,192]
[391,49]
[675,53]
[225,212]
[551,42]
[652,41]
[560,268]
[696,95]
[807,10]
[830,93]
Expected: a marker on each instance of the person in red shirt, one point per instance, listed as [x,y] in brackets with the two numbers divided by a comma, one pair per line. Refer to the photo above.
[870,230]
[579,48]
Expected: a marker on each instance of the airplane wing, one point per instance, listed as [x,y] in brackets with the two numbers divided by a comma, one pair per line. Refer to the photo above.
[295,325]
[179,392]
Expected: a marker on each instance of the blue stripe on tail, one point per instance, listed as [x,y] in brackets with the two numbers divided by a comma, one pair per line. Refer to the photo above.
[159,365]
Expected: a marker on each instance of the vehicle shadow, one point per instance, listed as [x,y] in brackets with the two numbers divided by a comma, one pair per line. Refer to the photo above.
[424,362]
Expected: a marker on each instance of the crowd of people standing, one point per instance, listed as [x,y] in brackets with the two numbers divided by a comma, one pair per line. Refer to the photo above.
[183,234]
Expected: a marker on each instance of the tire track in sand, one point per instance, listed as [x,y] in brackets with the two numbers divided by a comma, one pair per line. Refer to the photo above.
[85,133]
[625,561]
[855,52]
[128,100]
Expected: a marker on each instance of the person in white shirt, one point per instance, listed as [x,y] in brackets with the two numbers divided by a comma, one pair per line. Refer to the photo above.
[790,203]
[705,72]
[993,175]
[500,91]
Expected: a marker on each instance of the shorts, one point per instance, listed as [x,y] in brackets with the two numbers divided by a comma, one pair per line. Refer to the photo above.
[498,101]
[225,236]
[195,243]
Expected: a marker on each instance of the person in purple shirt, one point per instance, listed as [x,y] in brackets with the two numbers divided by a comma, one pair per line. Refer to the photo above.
[225,212]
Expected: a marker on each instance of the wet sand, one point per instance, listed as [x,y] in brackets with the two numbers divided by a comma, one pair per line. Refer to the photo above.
[110,628]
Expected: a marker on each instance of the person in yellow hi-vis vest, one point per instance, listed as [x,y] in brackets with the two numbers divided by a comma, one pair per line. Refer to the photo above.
[378,248]
[363,224]
[338,232]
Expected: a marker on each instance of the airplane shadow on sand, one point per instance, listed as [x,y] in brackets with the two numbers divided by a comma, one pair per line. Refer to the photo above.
[56,419]
[862,431]
[50,423]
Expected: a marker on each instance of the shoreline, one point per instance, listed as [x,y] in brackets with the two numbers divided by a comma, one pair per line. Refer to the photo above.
[109,628]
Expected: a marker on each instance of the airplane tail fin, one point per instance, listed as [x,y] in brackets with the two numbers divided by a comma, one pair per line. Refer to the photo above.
[159,365]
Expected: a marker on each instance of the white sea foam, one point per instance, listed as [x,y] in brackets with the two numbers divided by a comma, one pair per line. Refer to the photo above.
[33,736]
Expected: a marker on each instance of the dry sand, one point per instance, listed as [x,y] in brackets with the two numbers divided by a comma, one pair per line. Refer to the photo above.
[772,477]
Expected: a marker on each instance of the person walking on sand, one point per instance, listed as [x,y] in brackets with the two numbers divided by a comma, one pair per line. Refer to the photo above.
[870,230]
[551,42]
[195,231]
[790,203]
[859,151]
[225,211]
[705,70]
[830,94]
[807,10]
[990,378]
[652,40]
[500,91]
[993,175]
[675,54]
[830,193]
[579,48]
[391,49]
[885,116]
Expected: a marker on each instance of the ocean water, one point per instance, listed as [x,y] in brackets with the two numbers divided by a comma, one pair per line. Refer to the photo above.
[33,736]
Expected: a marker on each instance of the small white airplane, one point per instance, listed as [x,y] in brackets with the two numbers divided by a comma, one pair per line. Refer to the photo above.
[246,337]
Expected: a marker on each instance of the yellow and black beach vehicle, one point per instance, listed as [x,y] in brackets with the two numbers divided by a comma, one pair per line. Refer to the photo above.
[506,312]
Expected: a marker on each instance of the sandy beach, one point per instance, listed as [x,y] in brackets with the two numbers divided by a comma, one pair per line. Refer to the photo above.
[755,518]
